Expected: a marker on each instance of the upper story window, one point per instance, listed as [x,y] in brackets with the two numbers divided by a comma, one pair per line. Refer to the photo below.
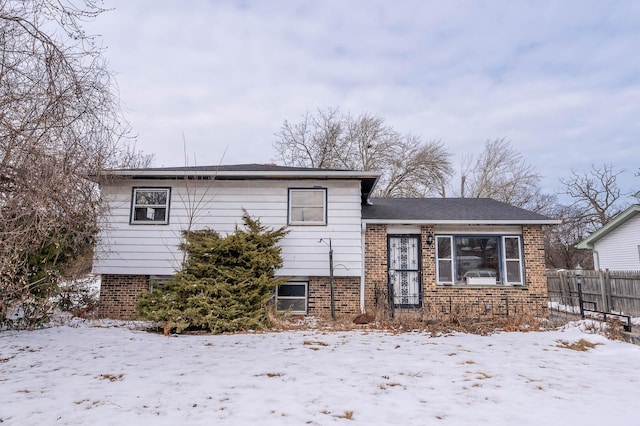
[463,259]
[308,206]
[150,205]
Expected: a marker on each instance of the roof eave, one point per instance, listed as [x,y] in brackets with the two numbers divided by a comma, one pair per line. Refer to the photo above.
[239,174]
[588,243]
[459,222]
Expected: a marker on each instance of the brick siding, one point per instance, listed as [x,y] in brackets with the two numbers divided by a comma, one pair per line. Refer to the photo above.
[346,292]
[119,295]
[441,302]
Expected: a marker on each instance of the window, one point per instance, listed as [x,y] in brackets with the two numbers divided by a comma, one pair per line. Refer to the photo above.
[308,206]
[479,259]
[512,260]
[150,205]
[292,297]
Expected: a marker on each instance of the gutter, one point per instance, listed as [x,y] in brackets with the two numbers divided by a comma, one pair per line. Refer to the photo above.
[461,222]
[242,174]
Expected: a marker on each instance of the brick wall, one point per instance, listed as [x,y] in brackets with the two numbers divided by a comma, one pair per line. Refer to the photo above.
[375,264]
[346,292]
[440,302]
[119,295]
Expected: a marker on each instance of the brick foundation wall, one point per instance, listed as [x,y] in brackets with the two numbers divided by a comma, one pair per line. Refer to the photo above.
[346,292]
[441,302]
[119,295]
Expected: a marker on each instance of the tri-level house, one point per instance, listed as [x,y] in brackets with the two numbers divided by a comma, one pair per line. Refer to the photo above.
[429,256]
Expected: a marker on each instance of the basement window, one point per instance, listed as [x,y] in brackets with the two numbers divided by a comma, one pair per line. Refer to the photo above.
[150,206]
[292,297]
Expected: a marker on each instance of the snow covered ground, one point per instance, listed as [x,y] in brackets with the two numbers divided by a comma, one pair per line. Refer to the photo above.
[100,374]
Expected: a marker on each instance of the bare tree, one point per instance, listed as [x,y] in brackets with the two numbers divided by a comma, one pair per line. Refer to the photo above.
[328,139]
[313,142]
[59,123]
[561,240]
[501,173]
[595,195]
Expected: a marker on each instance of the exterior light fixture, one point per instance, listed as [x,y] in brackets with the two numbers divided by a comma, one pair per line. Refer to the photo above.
[429,239]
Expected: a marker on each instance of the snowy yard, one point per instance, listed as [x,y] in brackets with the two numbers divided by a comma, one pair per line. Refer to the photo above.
[98,374]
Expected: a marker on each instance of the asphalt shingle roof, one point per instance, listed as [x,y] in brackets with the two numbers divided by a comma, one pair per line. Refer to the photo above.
[447,210]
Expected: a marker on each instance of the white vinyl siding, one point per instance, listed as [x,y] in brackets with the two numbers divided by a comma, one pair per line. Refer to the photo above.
[618,250]
[150,249]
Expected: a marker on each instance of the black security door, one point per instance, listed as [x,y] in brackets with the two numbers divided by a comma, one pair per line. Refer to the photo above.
[404,270]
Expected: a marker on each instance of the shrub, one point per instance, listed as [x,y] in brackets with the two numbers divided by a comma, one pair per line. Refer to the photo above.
[225,283]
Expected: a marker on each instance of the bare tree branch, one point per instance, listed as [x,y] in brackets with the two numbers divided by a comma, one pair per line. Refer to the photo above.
[60,122]
[328,139]
[501,173]
[596,194]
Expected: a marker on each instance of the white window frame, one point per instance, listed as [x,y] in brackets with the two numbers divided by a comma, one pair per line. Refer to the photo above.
[507,260]
[150,207]
[502,253]
[304,298]
[292,206]
[445,259]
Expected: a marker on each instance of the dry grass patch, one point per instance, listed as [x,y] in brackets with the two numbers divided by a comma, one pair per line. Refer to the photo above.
[270,375]
[111,377]
[315,342]
[581,345]
[347,415]
[482,376]
[384,386]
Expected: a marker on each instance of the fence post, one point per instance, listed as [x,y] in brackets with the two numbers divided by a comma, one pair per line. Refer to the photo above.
[564,288]
[603,290]
[609,290]
[580,301]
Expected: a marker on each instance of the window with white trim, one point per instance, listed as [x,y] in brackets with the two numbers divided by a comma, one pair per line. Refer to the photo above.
[307,206]
[150,206]
[292,297]
[479,259]
[512,260]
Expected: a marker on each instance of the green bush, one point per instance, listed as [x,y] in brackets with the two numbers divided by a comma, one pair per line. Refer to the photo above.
[225,283]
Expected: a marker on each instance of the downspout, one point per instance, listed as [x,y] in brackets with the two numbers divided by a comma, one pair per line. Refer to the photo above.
[362,267]
[331,282]
[596,260]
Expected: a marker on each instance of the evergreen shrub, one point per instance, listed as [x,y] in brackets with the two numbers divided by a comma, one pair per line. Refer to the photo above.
[225,284]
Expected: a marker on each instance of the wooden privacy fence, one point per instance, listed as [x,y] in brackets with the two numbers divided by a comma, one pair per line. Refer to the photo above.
[607,291]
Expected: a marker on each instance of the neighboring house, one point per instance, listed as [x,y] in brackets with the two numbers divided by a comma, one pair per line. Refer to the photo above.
[616,246]
[436,256]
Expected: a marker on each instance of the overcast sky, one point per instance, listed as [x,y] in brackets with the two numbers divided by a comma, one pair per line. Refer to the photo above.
[559,79]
